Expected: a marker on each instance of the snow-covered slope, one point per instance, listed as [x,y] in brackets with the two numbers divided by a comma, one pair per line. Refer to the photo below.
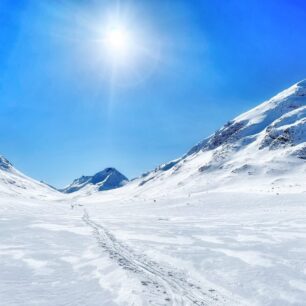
[223,225]
[266,144]
[13,182]
[109,178]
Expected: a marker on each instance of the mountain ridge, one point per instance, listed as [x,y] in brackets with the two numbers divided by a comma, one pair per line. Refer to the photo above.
[270,138]
[260,141]
[14,182]
[109,178]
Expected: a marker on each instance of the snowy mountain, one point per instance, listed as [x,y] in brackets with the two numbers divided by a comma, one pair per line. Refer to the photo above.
[223,225]
[109,178]
[230,212]
[13,182]
[262,149]
[266,143]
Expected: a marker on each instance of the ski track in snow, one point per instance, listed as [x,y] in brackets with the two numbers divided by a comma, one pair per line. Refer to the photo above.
[163,285]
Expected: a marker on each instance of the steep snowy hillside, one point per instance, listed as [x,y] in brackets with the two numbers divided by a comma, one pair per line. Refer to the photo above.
[13,182]
[223,225]
[107,179]
[266,144]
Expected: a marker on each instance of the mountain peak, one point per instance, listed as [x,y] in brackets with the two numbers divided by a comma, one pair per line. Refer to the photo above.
[5,164]
[109,178]
[247,125]
[264,139]
[301,88]
[301,83]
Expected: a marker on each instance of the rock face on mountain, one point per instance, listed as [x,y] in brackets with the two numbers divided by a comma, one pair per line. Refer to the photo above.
[280,120]
[5,164]
[267,140]
[107,179]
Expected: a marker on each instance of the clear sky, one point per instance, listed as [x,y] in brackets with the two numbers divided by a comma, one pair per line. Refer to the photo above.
[70,107]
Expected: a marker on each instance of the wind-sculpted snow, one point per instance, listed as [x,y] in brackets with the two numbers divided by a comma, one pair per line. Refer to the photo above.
[204,249]
[251,245]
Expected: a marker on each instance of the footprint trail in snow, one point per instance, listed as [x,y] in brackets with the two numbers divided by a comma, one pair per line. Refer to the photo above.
[163,285]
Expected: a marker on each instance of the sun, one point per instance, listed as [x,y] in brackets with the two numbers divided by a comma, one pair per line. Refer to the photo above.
[118,41]
[125,52]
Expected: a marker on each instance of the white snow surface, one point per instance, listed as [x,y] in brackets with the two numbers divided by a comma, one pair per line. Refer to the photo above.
[15,183]
[264,149]
[223,225]
[210,248]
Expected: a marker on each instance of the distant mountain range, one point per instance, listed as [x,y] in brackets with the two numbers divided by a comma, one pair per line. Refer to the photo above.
[14,182]
[266,144]
[109,178]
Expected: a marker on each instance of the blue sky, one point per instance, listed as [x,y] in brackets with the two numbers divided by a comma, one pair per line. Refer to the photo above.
[63,113]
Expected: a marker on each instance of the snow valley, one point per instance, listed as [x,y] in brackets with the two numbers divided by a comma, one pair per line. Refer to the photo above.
[225,224]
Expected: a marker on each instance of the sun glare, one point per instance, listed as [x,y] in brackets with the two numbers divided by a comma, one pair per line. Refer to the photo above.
[118,42]
[127,53]
[117,39]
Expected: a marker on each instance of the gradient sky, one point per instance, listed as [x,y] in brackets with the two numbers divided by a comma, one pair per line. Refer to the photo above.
[64,114]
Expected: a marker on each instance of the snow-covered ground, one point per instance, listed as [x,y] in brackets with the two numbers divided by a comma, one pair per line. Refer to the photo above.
[223,225]
[221,248]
